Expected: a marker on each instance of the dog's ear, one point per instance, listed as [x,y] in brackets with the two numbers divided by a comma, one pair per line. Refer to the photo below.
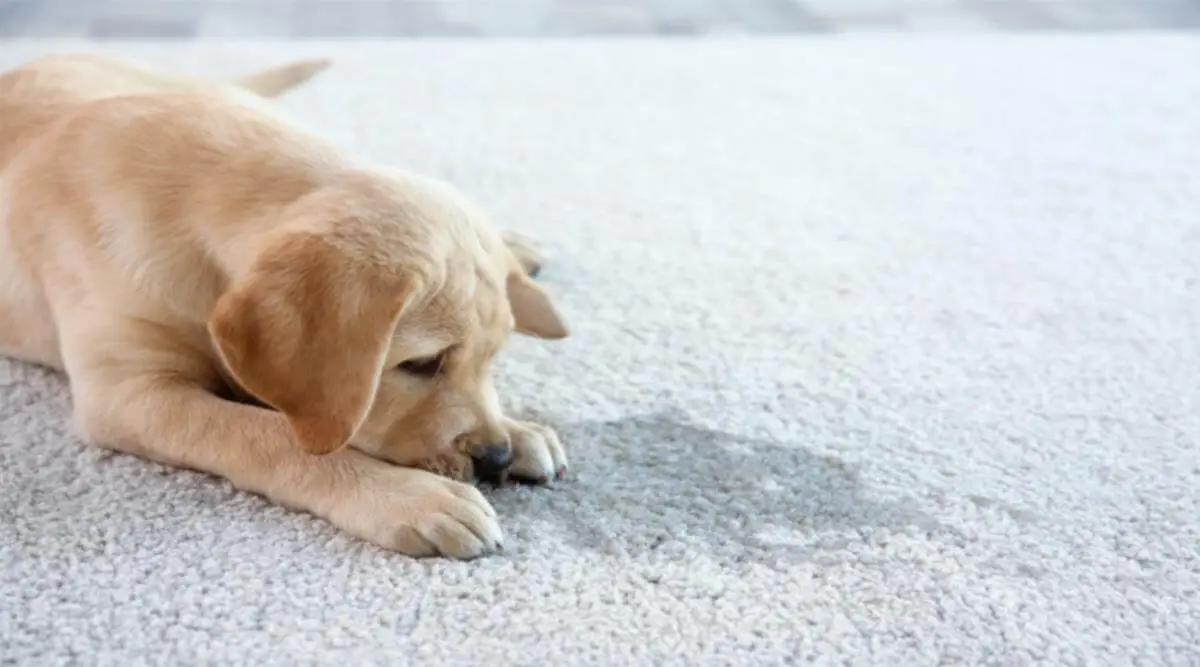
[533,308]
[307,332]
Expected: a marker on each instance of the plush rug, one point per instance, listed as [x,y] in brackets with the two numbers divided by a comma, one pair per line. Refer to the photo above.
[885,353]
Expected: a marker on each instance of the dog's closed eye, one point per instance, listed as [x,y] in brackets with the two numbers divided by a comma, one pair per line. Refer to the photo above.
[425,367]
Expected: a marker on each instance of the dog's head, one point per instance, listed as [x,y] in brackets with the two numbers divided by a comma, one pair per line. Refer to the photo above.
[374,316]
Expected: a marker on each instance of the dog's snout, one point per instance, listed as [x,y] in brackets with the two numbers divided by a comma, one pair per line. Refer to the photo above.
[491,460]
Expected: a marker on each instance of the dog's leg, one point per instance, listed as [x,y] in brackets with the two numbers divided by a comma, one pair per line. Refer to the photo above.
[138,391]
[537,454]
[277,80]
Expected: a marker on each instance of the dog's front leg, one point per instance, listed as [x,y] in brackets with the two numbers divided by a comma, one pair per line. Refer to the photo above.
[537,453]
[138,395]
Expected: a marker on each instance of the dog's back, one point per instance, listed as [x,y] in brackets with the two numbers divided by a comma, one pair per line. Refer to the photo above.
[40,90]
[87,76]
[37,95]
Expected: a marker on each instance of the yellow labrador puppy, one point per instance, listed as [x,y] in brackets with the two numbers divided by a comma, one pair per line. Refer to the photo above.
[229,293]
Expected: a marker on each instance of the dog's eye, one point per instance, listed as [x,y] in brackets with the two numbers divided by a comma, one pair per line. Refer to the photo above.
[426,367]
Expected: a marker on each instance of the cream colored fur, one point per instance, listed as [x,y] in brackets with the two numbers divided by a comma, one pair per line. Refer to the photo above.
[173,243]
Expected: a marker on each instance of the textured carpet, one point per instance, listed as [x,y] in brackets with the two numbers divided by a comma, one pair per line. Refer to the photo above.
[885,353]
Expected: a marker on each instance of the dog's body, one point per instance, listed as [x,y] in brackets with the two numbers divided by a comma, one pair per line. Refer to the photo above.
[165,240]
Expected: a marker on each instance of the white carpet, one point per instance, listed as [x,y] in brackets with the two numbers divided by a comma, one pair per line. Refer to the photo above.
[885,353]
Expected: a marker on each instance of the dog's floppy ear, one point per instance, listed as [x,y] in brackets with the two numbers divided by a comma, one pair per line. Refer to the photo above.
[307,332]
[531,304]
[533,308]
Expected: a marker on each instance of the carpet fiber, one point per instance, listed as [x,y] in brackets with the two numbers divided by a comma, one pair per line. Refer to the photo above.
[885,353]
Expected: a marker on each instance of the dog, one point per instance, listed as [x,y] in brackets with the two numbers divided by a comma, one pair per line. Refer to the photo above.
[229,293]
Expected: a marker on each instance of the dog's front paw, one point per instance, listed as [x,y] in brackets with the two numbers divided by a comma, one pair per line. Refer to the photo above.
[419,514]
[538,455]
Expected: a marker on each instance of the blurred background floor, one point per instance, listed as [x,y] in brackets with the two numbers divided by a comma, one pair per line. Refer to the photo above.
[223,19]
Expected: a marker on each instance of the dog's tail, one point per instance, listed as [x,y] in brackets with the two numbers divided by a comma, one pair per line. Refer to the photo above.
[275,81]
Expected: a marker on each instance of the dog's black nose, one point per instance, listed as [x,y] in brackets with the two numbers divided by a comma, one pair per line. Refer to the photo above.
[491,460]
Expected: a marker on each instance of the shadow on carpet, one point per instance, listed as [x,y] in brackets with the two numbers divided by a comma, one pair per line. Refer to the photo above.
[657,484]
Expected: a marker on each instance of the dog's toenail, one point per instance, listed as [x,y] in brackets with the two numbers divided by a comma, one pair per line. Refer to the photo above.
[561,473]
